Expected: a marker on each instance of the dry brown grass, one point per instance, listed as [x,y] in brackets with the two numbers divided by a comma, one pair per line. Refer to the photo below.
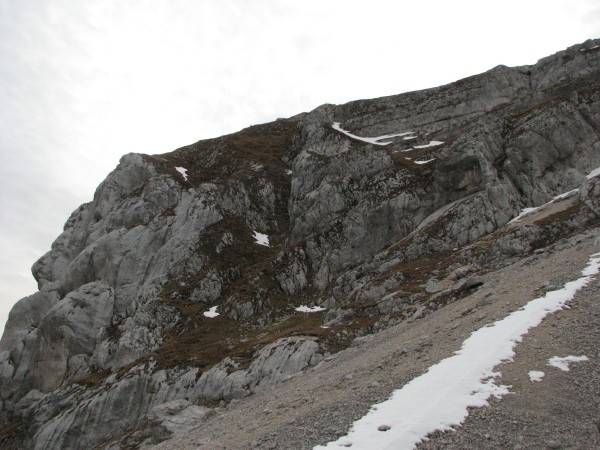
[92,380]
[206,341]
[11,432]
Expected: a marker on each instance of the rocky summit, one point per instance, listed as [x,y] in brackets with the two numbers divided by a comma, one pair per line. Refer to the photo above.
[200,279]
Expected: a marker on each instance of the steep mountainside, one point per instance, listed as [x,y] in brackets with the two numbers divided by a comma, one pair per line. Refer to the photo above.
[180,285]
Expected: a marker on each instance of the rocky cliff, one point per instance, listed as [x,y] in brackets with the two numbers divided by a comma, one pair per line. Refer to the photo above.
[231,265]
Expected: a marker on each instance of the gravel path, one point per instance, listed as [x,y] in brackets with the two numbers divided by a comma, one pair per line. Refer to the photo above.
[320,405]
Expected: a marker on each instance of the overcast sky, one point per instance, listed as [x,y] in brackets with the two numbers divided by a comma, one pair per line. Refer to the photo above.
[84,81]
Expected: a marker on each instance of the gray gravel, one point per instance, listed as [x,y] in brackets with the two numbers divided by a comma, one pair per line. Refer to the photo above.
[558,412]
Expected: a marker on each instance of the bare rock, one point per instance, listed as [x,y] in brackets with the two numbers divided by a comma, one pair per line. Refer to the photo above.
[177,416]
[274,364]
[589,194]
[432,286]
[466,284]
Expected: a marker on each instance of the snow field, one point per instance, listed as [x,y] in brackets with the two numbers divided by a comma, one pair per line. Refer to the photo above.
[439,399]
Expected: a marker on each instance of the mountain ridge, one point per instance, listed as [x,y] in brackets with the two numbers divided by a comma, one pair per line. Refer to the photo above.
[371,231]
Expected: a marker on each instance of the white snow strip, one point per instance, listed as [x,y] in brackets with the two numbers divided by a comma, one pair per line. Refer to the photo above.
[523,213]
[425,162]
[431,144]
[408,138]
[371,140]
[563,196]
[182,171]
[261,239]
[527,211]
[308,309]
[593,173]
[439,399]
[535,375]
[563,363]
[211,313]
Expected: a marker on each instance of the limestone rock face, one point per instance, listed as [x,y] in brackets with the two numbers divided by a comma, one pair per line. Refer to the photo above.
[590,194]
[274,364]
[69,333]
[161,297]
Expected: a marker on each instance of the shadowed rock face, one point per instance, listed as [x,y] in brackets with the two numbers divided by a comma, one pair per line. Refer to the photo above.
[118,326]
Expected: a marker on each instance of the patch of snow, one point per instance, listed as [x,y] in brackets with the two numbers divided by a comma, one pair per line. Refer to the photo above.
[288,172]
[439,399]
[593,173]
[410,159]
[408,138]
[211,313]
[261,239]
[535,375]
[563,363]
[588,49]
[308,309]
[527,211]
[425,162]
[182,171]
[431,144]
[524,212]
[256,167]
[371,140]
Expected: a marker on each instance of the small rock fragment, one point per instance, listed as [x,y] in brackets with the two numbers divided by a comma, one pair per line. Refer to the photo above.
[485,301]
[418,313]
[383,427]
[432,286]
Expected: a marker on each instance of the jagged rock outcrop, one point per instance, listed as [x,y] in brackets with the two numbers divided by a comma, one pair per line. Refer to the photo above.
[162,296]
[75,417]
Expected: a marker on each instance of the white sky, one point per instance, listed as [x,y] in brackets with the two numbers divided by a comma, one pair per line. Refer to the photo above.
[83,82]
